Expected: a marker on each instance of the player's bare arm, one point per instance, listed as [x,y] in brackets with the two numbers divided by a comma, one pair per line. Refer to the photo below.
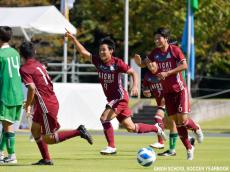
[30,98]
[182,66]
[134,89]
[80,48]
[138,61]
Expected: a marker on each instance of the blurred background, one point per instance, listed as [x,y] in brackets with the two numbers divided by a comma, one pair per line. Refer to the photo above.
[97,19]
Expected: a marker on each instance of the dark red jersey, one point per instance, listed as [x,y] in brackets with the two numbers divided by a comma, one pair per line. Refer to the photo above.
[34,72]
[152,83]
[110,77]
[167,61]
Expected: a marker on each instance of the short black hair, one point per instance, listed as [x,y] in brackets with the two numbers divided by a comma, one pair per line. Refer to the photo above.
[163,32]
[108,41]
[27,49]
[5,33]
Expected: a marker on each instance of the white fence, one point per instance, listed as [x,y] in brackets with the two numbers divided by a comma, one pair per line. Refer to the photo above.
[79,104]
[73,69]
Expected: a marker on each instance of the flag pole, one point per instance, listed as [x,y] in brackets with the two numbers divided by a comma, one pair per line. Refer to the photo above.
[189,49]
[126,45]
[64,79]
[65,12]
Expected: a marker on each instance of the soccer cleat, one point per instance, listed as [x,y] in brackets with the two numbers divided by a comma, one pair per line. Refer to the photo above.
[192,141]
[44,162]
[160,132]
[10,160]
[199,134]
[190,153]
[157,145]
[167,153]
[108,151]
[85,134]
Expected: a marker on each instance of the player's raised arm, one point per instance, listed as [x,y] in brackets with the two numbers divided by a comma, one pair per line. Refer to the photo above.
[134,89]
[138,61]
[80,48]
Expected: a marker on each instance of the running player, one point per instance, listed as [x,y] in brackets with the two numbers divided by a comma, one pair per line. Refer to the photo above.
[109,70]
[151,86]
[11,95]
[171,62]
[40,91]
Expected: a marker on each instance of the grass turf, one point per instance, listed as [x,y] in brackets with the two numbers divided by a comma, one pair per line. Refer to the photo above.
[77,156]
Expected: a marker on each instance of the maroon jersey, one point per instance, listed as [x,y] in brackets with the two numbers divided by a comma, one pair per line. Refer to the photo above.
[110,77]
[167,61]
[152,83]
[34,72]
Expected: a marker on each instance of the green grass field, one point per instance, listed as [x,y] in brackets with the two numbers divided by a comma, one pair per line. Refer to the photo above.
[77,155]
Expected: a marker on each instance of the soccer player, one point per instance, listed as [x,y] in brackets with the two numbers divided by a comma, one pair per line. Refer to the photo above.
[171,62]
[109,70]
[41,94]
[151,86]
[11,95]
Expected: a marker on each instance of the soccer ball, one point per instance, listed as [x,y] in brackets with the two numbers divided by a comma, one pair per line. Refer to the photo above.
[146,156]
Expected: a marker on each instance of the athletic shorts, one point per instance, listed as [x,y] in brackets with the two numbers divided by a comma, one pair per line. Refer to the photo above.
[121,108]
[49,120]
[177,102]
[10,113]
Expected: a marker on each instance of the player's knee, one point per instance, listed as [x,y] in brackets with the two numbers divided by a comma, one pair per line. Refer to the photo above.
[49,139]
[36,133]
[130,129]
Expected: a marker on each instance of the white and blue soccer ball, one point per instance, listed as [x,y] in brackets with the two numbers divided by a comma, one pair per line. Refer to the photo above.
[146,156]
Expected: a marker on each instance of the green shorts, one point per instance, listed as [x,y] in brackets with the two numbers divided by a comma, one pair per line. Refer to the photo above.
[10,113]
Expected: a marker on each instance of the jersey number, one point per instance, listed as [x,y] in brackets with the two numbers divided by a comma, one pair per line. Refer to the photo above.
[105,86]
[13,64]
[43,75]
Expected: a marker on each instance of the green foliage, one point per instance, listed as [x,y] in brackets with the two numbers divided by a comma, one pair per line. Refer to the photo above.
[220,64]
[22,3]
[96,19]
[212,35]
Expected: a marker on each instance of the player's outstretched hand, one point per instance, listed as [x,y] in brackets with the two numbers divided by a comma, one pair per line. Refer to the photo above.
[68,34]
[137,59]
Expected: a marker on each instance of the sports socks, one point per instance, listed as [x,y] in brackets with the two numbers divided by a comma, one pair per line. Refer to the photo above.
[160,140]
[172,141]
[10,142]
[65,135]
[158,119]
[2,141]
[190,124]
[145,128]
[109,133]
[183,133]
[43,148]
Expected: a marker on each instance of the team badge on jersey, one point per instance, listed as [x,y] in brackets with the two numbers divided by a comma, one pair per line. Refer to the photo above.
[110,68]
[162,58]
[153,79]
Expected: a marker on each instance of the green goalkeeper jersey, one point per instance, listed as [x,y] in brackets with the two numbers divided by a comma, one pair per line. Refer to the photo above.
[11,93]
